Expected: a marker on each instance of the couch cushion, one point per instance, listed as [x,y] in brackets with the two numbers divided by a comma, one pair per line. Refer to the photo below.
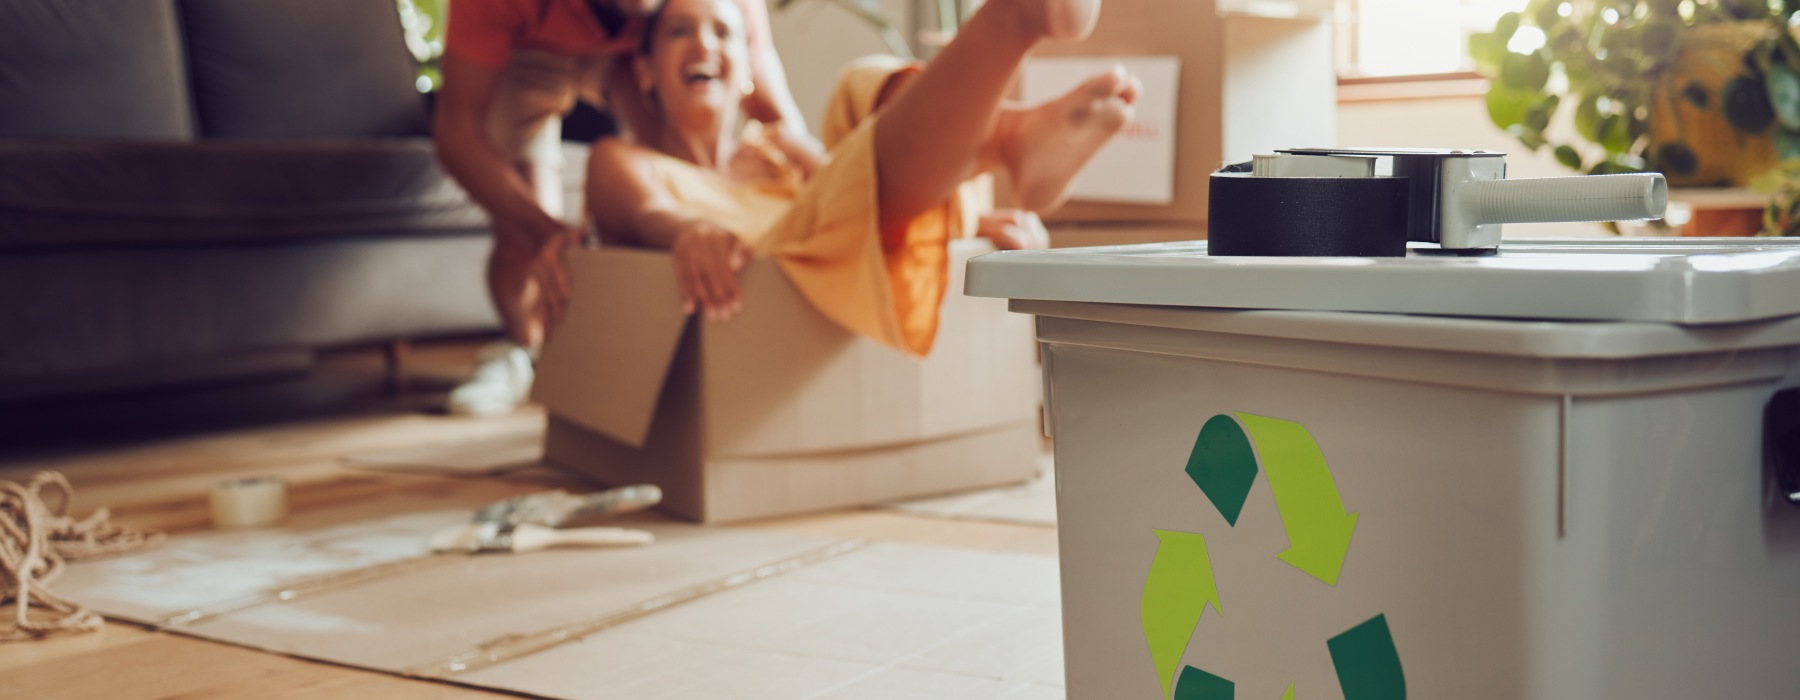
[92,68]
[68,192]
[301,69]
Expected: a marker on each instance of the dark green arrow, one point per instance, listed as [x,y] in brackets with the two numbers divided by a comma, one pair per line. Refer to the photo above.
[1223,465]
[1196,684]
[1368,665]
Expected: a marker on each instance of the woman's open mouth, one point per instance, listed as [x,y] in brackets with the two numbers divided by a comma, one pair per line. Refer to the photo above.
[700,75]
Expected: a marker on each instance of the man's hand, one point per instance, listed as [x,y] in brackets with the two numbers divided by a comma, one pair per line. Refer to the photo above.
[707,262]
[752,163]
[550,272]
[1014,229]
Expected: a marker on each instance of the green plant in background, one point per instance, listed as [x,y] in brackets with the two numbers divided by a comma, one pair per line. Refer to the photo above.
[1782,184]
[1705,91]
[423,22]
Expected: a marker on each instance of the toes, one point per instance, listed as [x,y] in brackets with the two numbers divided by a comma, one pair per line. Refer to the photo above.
[1133,88]
[1105,84]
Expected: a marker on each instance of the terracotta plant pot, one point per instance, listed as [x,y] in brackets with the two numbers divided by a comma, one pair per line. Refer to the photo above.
[1710,56]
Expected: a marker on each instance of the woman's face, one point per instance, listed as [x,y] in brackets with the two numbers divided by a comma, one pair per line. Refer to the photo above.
[698,59]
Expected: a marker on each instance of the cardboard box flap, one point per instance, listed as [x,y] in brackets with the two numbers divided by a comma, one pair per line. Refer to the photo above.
[593,371]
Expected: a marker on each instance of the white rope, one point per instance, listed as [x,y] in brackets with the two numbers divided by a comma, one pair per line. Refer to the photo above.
[36,539]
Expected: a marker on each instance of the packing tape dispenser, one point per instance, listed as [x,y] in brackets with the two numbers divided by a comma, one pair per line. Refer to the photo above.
[1332,202]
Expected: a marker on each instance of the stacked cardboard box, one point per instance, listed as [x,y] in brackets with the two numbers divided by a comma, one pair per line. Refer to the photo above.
[1254,76]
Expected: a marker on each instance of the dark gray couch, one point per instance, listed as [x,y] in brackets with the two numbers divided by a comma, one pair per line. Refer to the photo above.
[190,187]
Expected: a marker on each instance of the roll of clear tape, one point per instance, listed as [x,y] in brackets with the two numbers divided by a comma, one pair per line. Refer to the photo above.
[254,502]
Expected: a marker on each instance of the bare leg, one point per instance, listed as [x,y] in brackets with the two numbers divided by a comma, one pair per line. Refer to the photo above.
[1078,123]
[932,136]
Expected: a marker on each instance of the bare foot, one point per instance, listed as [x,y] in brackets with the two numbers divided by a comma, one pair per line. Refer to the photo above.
[1042,148]
[1066,20]
[1013,229]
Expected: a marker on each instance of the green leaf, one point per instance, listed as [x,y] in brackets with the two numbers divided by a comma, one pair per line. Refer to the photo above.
[1489,53]
[1696,95]
[1544,13]
[1784,95]
[1569,157]
[1617,164]
[1505,27]
[1538,117]
[1787,144]
[1507,107]
[1615,133]
[1525,71]
[1530,138]
[1587,118]
[1564,39]
[1677,158]
[1746,105]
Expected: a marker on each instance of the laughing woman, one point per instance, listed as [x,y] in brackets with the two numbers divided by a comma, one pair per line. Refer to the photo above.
[862,234]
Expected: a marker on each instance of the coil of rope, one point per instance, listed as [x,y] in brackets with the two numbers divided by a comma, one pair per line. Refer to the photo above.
[37,538]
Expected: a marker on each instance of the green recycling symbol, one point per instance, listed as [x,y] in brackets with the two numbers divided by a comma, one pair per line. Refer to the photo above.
[1181,584]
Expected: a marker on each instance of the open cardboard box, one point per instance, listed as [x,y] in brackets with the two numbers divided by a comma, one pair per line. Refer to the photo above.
[779,410]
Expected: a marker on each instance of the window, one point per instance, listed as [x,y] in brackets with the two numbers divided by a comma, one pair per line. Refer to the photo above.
[1387,39]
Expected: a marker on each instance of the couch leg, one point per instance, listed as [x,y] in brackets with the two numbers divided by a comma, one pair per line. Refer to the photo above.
[395,353]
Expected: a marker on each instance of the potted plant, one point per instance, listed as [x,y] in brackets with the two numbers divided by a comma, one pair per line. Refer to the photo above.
[1705,91]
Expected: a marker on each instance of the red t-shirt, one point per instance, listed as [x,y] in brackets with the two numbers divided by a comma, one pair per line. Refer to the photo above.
[486,31]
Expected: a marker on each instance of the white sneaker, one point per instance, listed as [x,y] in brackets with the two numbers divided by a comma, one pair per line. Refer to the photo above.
[500,383]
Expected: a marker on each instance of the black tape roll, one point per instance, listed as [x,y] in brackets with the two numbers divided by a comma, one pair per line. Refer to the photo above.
[1307,216]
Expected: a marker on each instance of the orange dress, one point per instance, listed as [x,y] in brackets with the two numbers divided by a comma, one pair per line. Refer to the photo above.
[825,234]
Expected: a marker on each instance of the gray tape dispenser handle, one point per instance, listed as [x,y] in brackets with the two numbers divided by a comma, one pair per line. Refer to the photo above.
[1459,198]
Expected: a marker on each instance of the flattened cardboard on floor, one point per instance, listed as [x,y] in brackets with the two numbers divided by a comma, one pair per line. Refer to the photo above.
[887,622]
[884,620]
[780,410]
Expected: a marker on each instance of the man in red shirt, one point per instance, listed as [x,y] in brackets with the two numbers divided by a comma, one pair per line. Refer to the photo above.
[511,69]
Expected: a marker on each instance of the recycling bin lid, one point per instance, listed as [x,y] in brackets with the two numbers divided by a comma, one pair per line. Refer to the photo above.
[1666,280]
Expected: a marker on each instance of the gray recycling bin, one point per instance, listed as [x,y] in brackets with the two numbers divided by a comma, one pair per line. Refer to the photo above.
[1565,471]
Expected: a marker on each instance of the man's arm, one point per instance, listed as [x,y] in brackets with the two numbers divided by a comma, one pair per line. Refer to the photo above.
[463,146]
[771,101]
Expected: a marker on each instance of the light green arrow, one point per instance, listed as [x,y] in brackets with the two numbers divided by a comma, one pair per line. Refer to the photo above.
[1175,595]
[1318,529]
[1289,695]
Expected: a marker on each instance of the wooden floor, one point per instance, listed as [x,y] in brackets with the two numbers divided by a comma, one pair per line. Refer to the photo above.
[150,456]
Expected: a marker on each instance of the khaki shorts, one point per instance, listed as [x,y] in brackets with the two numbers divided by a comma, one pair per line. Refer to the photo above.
[536,89]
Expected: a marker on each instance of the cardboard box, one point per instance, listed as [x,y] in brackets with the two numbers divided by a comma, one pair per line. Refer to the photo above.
[1254,76]
[779,410]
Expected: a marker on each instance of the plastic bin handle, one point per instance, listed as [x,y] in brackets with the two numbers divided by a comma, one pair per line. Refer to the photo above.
[1781,442]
